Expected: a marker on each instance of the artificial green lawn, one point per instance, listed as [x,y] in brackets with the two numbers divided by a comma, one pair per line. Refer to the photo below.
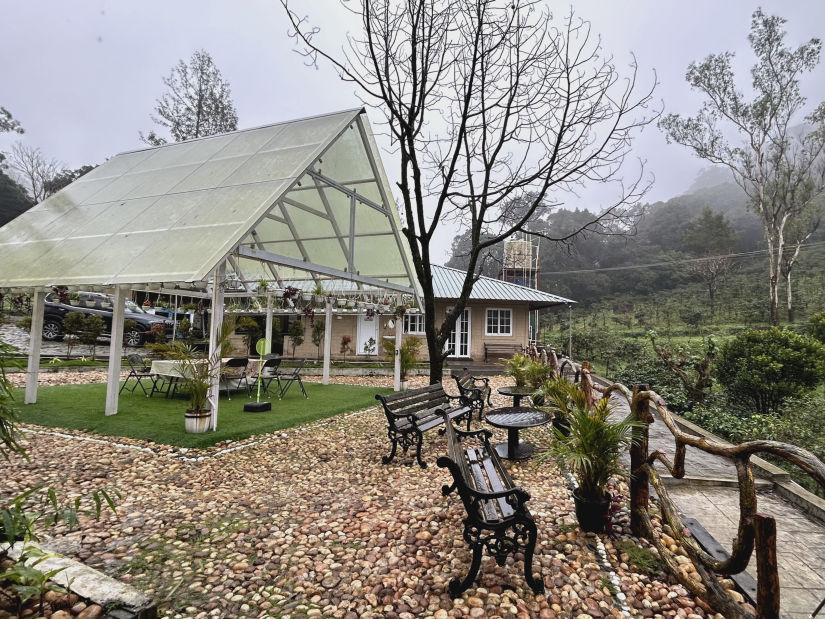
[80,407]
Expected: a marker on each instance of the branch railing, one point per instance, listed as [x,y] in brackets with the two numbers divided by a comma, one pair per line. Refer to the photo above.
[755,531]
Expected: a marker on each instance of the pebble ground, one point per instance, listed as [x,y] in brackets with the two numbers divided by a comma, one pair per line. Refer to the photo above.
[309,523]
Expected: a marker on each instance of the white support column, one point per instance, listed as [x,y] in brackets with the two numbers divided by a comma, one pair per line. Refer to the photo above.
[268,325]
[399,337]
[218,277]
[35,338]
[327,340]
[115,350]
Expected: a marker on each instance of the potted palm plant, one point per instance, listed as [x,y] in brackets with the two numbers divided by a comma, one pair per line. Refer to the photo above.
[197,373]
[560,397]
[591,452]
[516,368]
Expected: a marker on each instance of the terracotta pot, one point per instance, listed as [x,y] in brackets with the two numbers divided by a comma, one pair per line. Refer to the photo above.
[197,422]
[592,515]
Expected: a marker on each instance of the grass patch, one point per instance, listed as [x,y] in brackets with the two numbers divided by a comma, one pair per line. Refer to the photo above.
[81,407]
[641,558]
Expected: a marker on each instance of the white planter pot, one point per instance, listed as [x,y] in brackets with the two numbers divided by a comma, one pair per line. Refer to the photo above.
[197,422]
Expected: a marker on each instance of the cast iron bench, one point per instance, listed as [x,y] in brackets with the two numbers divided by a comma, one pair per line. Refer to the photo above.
[474,389]
[501,349]
[497,517]
[413,412]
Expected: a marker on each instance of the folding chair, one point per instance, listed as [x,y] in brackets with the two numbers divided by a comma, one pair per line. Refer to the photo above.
[269,372]
[138,370]
[235,370]
[285,381]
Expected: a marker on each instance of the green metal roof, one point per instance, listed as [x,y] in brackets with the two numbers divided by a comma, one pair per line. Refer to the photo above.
[447,283]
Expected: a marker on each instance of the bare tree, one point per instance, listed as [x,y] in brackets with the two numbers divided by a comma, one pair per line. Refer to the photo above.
[197,104]
[486,101]
[32,170]
[712,271]
[798,232]
[772,162]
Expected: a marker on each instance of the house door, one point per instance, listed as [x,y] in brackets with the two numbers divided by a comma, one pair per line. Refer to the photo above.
[367,330]
[460,337]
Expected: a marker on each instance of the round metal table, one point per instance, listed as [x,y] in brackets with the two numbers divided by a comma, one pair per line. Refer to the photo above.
[515,392]
[513,419]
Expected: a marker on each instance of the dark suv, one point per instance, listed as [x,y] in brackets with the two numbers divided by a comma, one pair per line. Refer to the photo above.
[99,305]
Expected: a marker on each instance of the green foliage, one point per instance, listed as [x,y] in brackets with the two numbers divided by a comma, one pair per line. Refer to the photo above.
[72,327]
[318,329]
[410,347]
[536,373]
[646,369]
[762,369]
[296,334]
[594,447]
[251,331]
[710,233]
[641,557]
[26,581]
[156,334]
[8,413]
[92,329]
[516,368]
[817,326]
[561,396]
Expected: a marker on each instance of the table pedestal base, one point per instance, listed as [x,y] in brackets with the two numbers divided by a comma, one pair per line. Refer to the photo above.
[523,451]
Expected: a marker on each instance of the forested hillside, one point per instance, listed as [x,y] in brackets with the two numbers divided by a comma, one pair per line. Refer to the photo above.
[612,274]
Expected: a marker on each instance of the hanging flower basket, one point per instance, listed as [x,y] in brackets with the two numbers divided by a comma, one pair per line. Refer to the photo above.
[350,303]
[342,302]
[307,296]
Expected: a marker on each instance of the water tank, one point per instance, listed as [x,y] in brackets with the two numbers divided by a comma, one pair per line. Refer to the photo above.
[518,254]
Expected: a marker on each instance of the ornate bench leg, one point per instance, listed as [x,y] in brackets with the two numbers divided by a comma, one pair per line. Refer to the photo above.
[419,440]
[457,587]
[536,584]
[394,439]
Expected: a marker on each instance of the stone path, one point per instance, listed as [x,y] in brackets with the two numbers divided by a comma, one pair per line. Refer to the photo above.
[715,504]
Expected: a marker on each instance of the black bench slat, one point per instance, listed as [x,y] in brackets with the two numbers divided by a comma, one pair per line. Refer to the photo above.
[482,485]
[497,484]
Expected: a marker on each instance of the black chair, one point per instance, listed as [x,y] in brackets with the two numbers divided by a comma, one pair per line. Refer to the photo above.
[285,381]
[235,370]
[269,372]
[138,371]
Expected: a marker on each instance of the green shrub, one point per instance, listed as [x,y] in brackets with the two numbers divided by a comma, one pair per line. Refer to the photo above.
[817,326]
[762,369]
[646,369]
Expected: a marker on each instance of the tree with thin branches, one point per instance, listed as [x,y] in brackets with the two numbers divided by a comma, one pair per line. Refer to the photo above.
[197,103]
[779,163]
[486,103]
[33,170]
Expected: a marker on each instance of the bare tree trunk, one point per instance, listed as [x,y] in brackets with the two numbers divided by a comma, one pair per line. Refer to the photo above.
[789,296]
[773,271]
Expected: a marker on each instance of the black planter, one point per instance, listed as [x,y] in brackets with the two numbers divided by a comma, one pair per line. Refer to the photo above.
[592,515]
[562,425]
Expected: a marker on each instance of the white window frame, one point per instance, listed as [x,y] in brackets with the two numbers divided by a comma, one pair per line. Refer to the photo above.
[419,319]
[498,321]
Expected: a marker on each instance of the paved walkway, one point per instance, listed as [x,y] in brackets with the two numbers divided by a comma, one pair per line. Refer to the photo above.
[708,497]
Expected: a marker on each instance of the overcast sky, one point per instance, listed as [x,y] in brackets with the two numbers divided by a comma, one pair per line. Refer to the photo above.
[83,76]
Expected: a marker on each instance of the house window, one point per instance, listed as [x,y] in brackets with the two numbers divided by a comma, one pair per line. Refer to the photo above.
[499,322]
[414,323]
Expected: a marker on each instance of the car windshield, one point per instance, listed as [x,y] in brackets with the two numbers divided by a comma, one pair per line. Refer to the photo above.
[133,308]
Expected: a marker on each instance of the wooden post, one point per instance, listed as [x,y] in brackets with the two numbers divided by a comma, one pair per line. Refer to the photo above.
[639,482]
[327,339]
[767,584]
[218,277]
[115,350]
[35,339]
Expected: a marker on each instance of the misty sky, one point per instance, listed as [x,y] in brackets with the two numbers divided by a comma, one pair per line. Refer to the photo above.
[83,76]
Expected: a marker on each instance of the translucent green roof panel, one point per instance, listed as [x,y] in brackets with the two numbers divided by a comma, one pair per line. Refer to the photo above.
[308,196]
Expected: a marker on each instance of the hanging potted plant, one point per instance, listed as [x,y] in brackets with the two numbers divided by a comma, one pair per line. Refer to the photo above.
[290,296]
[307,296]
[320,294]
[309,312]
[341,301]
[592,452]
[74,299]
[350,303]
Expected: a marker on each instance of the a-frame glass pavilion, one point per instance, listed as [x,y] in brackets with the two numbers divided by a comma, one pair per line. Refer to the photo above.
[299,201]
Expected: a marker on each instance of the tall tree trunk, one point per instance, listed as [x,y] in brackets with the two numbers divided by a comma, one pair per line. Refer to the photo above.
[773,262]
[789,296]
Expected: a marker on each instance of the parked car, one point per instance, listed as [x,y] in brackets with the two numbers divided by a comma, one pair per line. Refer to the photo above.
[99,305]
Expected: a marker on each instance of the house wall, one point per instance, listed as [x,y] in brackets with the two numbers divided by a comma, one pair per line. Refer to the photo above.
[347,325]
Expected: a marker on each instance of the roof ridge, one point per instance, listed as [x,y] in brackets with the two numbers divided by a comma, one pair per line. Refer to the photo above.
[214,135]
